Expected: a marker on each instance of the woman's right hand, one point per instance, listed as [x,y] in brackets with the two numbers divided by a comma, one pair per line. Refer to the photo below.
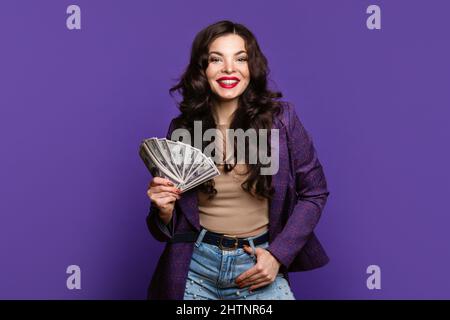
[163,194]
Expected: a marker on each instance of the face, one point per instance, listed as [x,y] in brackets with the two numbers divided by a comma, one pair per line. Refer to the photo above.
[227,71]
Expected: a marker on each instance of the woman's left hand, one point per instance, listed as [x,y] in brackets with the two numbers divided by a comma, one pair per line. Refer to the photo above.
[262,273]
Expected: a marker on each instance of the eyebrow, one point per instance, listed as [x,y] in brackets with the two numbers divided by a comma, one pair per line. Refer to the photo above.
[220,54]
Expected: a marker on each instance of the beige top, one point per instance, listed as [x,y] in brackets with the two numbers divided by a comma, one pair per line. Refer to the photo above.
[233,211]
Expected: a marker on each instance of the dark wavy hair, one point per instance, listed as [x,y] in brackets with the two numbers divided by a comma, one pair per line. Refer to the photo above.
[256,106]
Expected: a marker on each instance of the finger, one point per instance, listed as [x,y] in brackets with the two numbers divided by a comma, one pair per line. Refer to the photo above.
[264,278]
[248,249]
[156,181]
[253,270]
[167,182]
[259,285]
[253,279]
[163,202]
[258,251]
[166,199]
[165,194]
[161,181]
[154,192]
[161,188]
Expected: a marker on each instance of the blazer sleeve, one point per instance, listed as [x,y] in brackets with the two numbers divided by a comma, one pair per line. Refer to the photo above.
[155,225]
[311,190]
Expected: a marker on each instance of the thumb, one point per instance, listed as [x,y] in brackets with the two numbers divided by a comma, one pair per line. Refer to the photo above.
[247,249]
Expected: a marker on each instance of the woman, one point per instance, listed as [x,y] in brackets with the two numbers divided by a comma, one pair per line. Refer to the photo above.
[237,235]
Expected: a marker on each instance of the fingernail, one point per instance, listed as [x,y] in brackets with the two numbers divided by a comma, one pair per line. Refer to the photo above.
[170,183]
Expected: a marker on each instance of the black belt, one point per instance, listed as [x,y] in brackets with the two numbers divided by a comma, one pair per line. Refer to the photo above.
[224,242]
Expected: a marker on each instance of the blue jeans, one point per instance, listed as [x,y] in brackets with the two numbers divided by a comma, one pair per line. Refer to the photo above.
[212,273]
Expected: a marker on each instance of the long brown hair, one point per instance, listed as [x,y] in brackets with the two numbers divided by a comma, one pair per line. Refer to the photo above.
[256,107]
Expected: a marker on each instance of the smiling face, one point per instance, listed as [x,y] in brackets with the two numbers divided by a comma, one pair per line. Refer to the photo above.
[227,72]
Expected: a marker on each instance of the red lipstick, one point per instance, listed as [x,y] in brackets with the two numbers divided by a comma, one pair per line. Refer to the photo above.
[228,82]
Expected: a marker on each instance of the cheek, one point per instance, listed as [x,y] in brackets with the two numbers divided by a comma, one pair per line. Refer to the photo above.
[245,82]
[246,76]
[210,76]
[210,73]
[245,71]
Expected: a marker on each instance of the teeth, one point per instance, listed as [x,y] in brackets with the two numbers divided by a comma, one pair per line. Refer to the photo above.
[228,81]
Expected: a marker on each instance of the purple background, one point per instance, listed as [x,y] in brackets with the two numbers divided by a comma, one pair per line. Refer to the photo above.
[76,104]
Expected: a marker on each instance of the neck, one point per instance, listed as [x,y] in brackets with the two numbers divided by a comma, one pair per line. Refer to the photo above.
[224,111]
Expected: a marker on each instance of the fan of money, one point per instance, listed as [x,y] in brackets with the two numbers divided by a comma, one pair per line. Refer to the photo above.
[183,164]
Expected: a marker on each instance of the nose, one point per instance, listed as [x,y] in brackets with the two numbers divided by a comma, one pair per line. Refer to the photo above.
[228,67]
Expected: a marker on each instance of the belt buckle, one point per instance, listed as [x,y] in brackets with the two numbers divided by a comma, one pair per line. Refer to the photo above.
[234,247]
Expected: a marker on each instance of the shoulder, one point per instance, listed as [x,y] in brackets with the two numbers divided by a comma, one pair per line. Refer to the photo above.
[293,126]
[287,116]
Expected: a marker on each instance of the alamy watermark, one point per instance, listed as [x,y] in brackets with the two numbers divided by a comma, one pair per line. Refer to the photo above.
[235,141]
[374,280]
[73,281]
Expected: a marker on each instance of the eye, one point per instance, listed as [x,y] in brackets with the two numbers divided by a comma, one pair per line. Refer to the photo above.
[214,59]
[242,59]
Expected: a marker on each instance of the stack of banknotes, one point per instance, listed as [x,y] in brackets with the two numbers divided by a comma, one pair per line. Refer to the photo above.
[183,164]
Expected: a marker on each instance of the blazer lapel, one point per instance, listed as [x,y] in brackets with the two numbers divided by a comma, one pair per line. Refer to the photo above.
[280,182]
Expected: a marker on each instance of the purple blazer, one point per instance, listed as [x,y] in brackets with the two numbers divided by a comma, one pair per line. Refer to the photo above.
[300,196]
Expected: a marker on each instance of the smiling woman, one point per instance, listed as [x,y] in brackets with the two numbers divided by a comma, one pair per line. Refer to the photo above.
[228,68]
[237,235]
[222,52]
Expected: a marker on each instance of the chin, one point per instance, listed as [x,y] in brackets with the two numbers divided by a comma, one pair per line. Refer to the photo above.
[227,98]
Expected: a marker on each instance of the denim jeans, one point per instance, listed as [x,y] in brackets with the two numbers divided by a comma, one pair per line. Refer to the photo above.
[212,273]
